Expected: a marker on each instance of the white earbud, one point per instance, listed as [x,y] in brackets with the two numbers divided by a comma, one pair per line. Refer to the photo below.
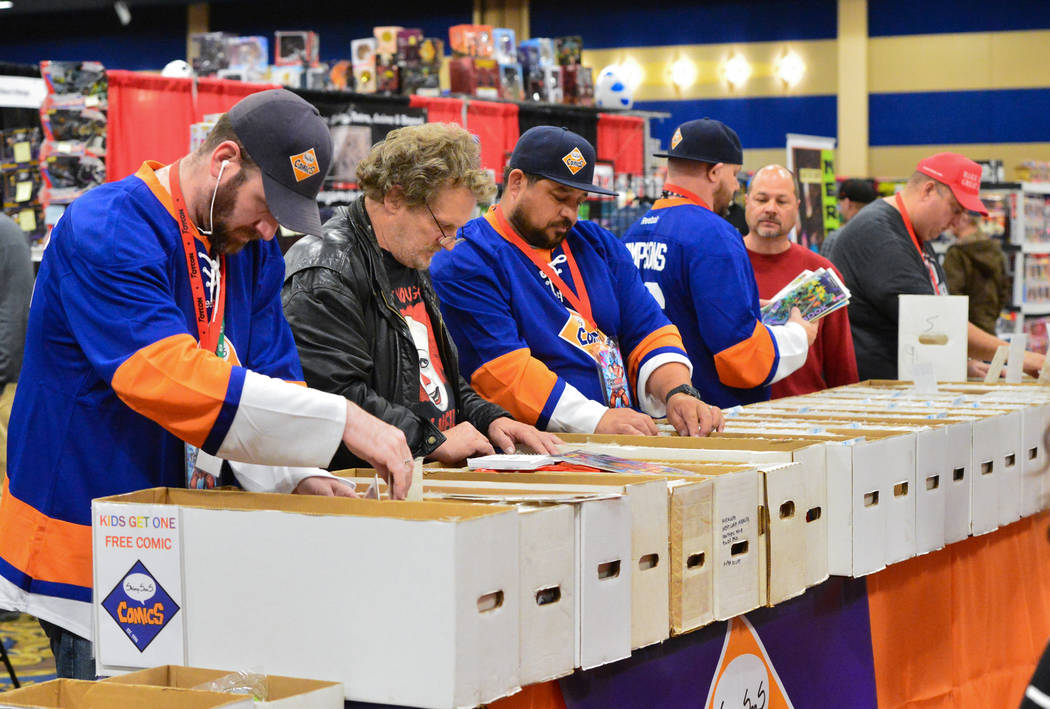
[211,211]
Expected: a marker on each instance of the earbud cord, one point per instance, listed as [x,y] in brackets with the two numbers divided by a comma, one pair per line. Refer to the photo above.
[211,210]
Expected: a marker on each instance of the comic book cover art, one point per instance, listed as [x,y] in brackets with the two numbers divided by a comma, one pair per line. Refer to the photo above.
[815,294]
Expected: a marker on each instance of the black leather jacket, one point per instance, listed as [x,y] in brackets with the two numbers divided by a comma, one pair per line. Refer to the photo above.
[351,340]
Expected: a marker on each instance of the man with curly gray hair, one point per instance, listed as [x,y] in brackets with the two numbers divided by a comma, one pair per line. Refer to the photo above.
[363,311]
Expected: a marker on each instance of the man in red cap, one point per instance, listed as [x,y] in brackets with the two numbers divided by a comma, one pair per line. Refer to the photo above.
[884,252]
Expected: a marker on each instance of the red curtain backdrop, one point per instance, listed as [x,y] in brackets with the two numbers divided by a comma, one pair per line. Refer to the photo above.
[150,115]
[496,125]
[439,110]
[621,139]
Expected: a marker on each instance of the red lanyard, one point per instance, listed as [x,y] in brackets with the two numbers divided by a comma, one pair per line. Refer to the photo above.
[691,196]
[208,331]
[915,240]
[582,304]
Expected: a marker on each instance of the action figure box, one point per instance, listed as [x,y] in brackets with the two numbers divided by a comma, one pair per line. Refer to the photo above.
[578,86]
[295,48]
[512,82]
[538,51]
[208,53]
[290,76]
[487,78]
[431,52]
[29,218]
[74,123]
[463,76]
[504,46]
[363,64]
[84,78]
[386,38]
[408,42]
[318,77]
[471,40]
[534,83]
[422,79]
[568,50]
[388,76]
[553,84]
[365,78]
[20,186]
[20,146]
[249,55]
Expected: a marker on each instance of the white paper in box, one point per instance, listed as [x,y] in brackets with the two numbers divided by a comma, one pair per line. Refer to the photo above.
[433,590]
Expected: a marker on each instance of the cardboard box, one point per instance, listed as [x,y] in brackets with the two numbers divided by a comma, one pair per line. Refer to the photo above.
[438,583]
[79,694]
[647,499]
[691,519]
[281,692]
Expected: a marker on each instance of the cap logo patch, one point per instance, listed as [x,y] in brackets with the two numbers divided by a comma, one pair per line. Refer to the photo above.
[574,161]
[970,180]
[304,165]
[676,138]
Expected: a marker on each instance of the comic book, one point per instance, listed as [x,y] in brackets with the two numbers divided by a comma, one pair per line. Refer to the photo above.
[814,293]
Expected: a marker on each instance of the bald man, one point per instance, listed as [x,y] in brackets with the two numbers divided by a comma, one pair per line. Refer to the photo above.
[771,211]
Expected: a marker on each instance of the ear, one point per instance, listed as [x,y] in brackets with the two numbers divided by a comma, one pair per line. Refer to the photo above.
[715,173]
[224,151]
[516,182]
[394,199]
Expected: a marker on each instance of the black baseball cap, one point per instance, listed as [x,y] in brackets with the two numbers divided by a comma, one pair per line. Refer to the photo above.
[290,142]
[705,140]
[557,154]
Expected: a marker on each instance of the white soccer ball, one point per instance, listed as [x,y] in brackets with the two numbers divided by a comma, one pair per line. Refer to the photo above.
[176,68]
[611,90]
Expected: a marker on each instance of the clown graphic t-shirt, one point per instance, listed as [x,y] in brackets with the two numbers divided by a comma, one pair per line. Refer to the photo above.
[436,398]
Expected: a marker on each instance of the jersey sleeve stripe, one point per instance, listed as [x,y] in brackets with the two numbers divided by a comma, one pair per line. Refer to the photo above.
[666,336]
[61,552]
[519,383]
[178,385]
[226,414]
[749,363]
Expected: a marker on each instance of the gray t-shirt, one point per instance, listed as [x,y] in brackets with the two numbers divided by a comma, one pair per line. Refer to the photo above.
[879,261]
[16,287]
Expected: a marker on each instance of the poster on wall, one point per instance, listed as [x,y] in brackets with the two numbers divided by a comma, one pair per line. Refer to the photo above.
[356,129]
[812,159]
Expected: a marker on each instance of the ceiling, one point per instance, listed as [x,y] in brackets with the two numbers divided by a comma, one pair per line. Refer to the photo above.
[25,7]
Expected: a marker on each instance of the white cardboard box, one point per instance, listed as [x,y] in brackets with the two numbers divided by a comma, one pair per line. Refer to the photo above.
[281,692]
[440,583]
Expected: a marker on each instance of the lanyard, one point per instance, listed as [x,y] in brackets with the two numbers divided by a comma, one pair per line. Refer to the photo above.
[581,304]
[208,331]
[915,240]
[691,196]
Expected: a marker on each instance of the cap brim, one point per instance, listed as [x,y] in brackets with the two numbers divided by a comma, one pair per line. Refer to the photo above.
[971,202]
[292,210]
[585,186]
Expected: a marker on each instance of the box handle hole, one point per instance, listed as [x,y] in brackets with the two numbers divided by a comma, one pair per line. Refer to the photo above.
[738,548]
[695,561]
[986,467]
[546,596]
[958,474]
[649,561]
[813,514]
[609,570]
[900,489]
[1033,453]
[871,499]
[933,482]
[1009,460]
[490,601]
[787,510]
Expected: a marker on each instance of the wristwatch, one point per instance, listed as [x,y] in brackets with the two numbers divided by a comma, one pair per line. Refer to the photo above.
[684,389]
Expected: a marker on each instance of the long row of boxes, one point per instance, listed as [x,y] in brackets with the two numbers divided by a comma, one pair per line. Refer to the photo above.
[501,579]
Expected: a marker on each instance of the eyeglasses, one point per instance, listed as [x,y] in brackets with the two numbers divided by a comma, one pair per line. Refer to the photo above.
[446,241]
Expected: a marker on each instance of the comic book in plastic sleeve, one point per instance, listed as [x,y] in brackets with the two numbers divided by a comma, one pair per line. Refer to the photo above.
[815,294]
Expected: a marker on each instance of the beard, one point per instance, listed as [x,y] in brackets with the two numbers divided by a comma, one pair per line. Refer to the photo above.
[540,237]
[768,231]
[224,239]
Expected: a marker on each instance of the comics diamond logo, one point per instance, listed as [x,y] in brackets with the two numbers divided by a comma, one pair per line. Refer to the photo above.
[140,606]
[304,165]
[676,138]
[575,161]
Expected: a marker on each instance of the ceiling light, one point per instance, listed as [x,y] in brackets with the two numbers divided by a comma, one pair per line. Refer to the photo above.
[790,68]
[632,73]
[738,71]
[683,73]
[6,4]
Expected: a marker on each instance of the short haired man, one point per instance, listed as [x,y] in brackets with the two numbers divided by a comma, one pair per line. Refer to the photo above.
[16,273]
[854,195]
[771,208]
[696,266]
[551,319]
[156,346]
[884,252]
[363,310]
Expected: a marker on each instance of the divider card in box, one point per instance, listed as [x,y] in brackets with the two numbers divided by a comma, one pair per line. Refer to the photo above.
[280,692]
[440,581]
[932,329]
[81,694]
[647,499]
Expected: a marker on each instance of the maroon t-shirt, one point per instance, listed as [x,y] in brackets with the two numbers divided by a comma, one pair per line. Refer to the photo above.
[831,361]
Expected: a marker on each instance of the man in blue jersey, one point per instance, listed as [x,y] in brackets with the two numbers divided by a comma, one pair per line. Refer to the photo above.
[157,349]
[549,314]
[696,266]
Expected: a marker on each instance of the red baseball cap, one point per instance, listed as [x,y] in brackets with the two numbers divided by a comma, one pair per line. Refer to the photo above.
[960,174]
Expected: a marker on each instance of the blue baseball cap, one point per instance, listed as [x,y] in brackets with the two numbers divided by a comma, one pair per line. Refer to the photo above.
[559,155]
[705,140]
